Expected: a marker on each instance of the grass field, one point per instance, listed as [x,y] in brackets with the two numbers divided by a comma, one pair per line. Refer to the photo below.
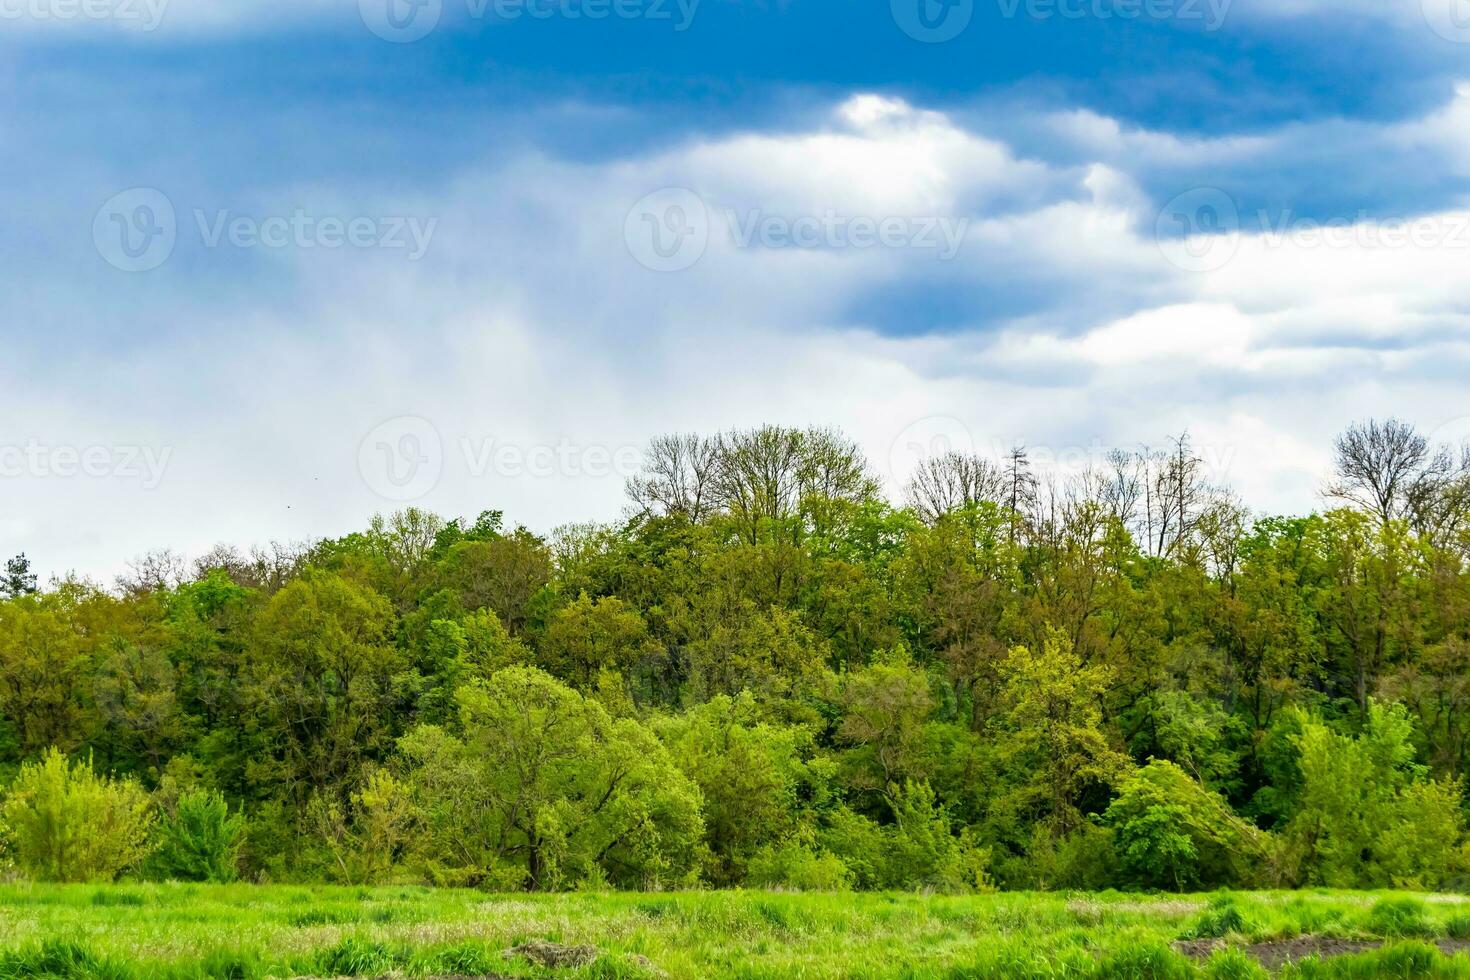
[178,931]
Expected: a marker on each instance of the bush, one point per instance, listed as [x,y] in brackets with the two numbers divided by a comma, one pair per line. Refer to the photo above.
[1173,833]
[1400,917]
[1220,919]
[66,823]
[200,841]
[793,865]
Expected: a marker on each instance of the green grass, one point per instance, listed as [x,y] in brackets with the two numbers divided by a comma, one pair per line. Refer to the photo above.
[132,932]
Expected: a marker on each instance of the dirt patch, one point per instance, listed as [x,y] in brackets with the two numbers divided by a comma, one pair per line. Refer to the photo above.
[547,954]
[1279,952]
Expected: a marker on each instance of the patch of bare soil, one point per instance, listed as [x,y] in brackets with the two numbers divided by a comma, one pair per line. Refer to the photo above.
[1279,952]
[542,953]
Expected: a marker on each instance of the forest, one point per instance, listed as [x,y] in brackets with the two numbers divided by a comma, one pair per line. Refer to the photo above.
[768,675]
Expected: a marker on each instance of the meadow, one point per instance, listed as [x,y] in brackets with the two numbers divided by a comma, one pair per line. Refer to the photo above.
[247,931]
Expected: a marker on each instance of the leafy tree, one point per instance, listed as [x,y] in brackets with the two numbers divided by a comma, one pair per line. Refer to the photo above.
[18,579]
[321,680]
[587,636]
[1053,737]
[754,783]
[1174,833]
[1367,815]
[67,823]
[544,790]
[198,840]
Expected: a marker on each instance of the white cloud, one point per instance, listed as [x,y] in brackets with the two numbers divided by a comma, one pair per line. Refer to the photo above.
[529,323]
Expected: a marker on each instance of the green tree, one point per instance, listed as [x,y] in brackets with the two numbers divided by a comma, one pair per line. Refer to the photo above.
[1171,832]
[545,790]
[198,839]
[68,823]
[1367,815]
[587,636]
[1053,738]
[18,579]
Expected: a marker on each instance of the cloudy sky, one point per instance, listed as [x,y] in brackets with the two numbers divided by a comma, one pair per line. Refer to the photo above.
[270,267]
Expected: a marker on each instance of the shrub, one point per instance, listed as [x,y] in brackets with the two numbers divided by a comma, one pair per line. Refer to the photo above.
[200,841]
[1143,961]
[793,865]
[1457,926]
[1174,833]
[1220,919]
[66,823]
[1234,964]
[1400,917]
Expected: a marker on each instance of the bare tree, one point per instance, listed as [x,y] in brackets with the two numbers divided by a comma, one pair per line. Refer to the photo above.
[678,476]
[154,571]
[1019,489]
[1379,467]
[1439,501]
[754,474]
[953,481]
[1120,486]
[268,570]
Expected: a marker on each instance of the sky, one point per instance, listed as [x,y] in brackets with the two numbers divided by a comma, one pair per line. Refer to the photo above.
[269,267]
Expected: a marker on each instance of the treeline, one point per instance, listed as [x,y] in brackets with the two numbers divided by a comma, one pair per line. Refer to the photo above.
[769,675]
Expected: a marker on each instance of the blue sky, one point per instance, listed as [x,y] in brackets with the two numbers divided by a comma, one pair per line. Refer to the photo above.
[423,271]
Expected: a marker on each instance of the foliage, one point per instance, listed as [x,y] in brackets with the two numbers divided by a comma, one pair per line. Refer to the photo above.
[544,790]
[767,673]
[1174,833]
[67,823]
[199,840]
